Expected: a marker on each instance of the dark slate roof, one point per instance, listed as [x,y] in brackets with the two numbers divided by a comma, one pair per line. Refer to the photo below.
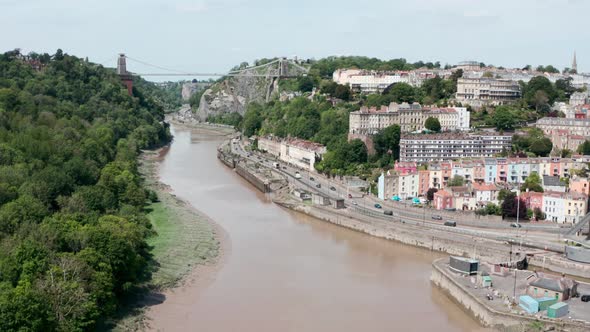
[552,181]
[550,284]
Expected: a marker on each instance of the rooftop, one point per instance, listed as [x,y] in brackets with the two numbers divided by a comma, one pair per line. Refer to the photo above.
[450,136]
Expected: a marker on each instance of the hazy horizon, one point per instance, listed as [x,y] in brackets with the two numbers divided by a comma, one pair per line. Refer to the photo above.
[213,36]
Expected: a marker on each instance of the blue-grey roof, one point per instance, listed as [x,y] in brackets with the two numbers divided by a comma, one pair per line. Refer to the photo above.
[552,181]
[550,284]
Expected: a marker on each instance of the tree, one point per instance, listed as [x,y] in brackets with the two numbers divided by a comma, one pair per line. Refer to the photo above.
[503,119]
[539,214]
[502,194]
[457,181]
[493,209]
[510,206]
[386,142]
[402,92]
[252,120]
[305,83]
[25,209]
[430,194]
[547,94]
[432,124]
[342,92]
[584,148]
[541,147]
[532,183]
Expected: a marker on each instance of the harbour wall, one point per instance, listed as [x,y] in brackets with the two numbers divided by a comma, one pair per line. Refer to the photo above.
[489,317]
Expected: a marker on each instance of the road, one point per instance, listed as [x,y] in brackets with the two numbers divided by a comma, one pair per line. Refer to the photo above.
[536,236]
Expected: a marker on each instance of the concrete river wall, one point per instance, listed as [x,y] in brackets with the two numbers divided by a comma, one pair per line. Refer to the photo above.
[489,317]
[248,172]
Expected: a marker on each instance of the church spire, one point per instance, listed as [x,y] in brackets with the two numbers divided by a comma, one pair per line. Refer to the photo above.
[575,63]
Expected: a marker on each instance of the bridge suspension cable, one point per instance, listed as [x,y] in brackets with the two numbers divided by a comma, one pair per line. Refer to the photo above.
[280,71]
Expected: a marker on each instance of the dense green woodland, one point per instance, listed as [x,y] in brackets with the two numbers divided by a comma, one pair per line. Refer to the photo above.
[72,226]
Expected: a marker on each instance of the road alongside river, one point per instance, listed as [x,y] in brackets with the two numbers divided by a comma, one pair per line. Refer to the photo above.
[284,271]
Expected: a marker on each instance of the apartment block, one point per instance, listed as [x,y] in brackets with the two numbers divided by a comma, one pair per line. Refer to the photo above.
[452,146]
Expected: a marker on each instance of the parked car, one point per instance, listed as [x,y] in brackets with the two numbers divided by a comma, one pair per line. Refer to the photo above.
[333,188]
[515,225]
[349,196]
[585,298]
[319,185]
[388,212]
[284,167]
[355,203]
[311,179]
[377,205]
[436,217]
[451,223]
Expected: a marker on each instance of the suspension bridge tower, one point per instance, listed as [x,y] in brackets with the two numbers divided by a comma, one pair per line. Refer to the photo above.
[125,76]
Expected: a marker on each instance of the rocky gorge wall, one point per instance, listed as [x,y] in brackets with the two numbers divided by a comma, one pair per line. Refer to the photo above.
[233,94]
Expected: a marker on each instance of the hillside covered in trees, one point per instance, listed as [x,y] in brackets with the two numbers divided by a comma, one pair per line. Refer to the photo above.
[72,226]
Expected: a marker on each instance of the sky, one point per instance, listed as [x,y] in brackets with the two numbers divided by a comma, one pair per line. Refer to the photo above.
[215,35]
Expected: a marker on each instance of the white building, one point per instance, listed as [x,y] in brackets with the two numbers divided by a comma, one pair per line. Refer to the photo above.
[579,98]
[367,81]
[553,206]
[298,152]
[478,92]
[408,185]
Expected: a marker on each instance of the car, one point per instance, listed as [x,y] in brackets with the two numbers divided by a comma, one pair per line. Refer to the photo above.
[377,205]
[585,298]
[436,217]
[333,188]
[388,212]
[284,167]
[349,195]
[515,225]
[450,223]
[319,185]
[355,203]
[311,179]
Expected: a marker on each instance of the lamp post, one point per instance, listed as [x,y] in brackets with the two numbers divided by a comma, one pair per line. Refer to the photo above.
[514,293]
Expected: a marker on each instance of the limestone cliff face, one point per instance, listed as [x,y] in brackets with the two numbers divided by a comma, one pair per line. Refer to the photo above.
[233,94]
[188,89]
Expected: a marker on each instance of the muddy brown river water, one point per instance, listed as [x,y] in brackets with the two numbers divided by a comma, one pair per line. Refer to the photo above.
[283,271]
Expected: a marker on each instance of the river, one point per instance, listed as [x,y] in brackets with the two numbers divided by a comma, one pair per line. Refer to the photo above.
[283,271]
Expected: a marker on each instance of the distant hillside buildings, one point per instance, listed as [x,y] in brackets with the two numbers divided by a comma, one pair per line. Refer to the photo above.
[566,133]
[372,81]
[366,122]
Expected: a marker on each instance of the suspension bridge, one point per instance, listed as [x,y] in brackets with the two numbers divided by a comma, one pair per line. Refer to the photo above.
[278,68]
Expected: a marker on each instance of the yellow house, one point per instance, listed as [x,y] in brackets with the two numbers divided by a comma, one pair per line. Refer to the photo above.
[575,206]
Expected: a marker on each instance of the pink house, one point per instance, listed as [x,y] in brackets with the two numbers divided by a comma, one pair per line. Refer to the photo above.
[443,200]
[532,200]
[555,167]
[405,167]
[447,171]
[580,185]
[424,182]
[502,170]
[479,171]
